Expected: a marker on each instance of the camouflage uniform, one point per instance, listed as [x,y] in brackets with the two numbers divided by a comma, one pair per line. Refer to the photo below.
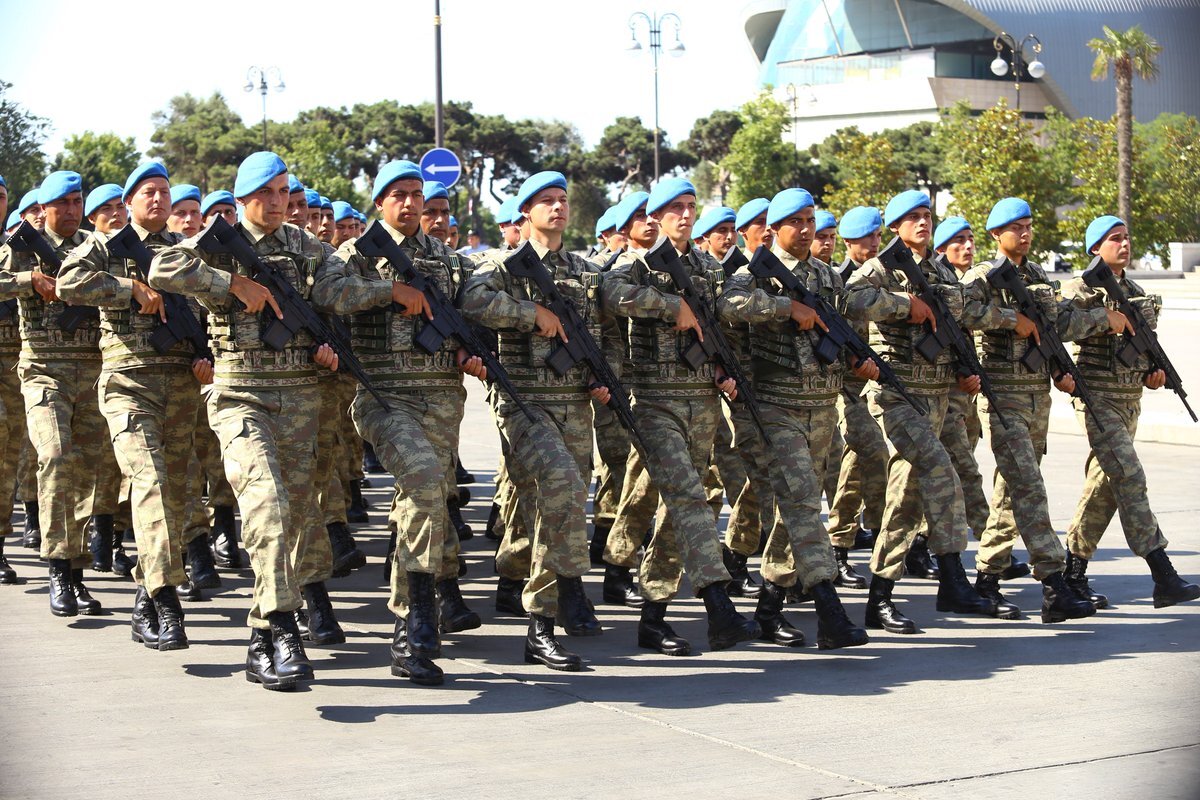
[1024,399]
[12,418]
[550,458]
[635,513]
[799,410]
[263,405]
[1117,391]
[678,410]
[76,467]
[961,432]
[148,398]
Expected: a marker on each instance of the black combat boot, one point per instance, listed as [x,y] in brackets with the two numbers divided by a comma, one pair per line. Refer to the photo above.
[171,635]
[301,621]
[461,475]
[489,530]
[202,571]
[882,612]
[87,605]
[600,531]
[864,539]
[357,510]
[542,648]
[62,595]
[1060,602]
[619,588]
[1169,588]
[455,616]
[422,616]
[508,597]
[834,628]
[1015,569]
[418,669]
[145,620]
[260,662]
[323,627]
[224,538]
[189,592]
[847,577]
[796,594]
[955,594]
[370,462]
[100,542]
[7,573]
[1076,575]
[917,563]
[726,627]
[32,540]
[346,555]
[769,616]
[987,586]
[740,583]
[122,564]
[464,496]
[655,634]
[575,612]
[454,510]
[291,663]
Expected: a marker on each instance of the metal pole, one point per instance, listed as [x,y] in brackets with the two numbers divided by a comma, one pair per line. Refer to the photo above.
[263,90]
[655,46]
[438,125]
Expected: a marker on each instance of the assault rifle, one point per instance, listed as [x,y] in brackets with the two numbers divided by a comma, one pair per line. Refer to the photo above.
[28,239]
[734,260]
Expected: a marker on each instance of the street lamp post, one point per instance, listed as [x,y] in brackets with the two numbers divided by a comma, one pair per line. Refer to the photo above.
[438,124]
[654,25]
[257,77]
[1036,69]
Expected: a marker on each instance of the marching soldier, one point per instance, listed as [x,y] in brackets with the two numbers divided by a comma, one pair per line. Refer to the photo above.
[222,202]
[186,217]
[12,413]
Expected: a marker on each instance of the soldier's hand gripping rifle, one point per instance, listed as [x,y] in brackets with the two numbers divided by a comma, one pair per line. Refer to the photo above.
[221,237]
[1051,350]
[948,333]
[841,335]
[28,239]
[376,242]
[181,324]
[1144,341]
[580,347]
[664,258]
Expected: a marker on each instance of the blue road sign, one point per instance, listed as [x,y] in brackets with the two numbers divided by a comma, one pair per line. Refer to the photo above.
[440,164]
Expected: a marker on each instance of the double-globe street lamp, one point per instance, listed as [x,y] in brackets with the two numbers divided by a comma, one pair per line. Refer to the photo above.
[1035,69]
[257,77]
[654,24]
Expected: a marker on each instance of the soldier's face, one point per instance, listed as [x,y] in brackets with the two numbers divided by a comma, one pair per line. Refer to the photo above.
[401,204]
[643,230]
[720,239]
[511,234]
[112,216]
[452,238]
[1116,248]
[35,215]
[64,214]
[864,248]
[616,241]
[435,218]
[267,207]
[3,202]
[344,230]
[549,210]
[795,233]
[222,210]
[915,228]
[757,233]
[823,244]
[1015,238]
[297,209]
[328,226]
[960,251]
[150,204]
[313,222]
[186,218]
[677,218]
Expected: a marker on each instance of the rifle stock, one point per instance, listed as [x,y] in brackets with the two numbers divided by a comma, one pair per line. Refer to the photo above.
[29,239]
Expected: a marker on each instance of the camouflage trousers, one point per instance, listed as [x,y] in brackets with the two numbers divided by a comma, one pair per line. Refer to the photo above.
[612,444]
[332,495]
[77,469]
[961,431]
[921,479]
[12,437]
[514,555]
[1019,491]
[798,548]
[27,468]
[832,469]
[862,474]
[268,440]
[753,505]
[317,564]
[151,413]
[349,463]
[1115,482]
[635,513]
[726,473]
[550,465]
[685,535]
[205,473]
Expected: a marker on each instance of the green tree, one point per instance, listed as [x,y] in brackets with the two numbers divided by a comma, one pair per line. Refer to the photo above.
[22,162]
[865,170]
[202,141]
[625,155]
[759,160]
[98,158]
[707,145]
[917,150]
[315,153]
[1127,54]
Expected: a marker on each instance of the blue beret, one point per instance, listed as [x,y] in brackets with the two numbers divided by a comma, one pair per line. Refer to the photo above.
[13,219]
[751,211]
[539,182]
[59,184]
[221,196]
[312,197]
[666,191]
[326,202]
[256,171]
[361,217]
[184,191]
[294,185]
[711,219]
[341,210]
[147,169]
[395,171]
[786,203]
[903,203]
[435,189]
[453,221]
[1098,229]
[629,205]
[28,199]
[3,182]
[860,221]
[947,229]
[99,196]
[507,211]
[825,220]
[604,223]
[1010,209]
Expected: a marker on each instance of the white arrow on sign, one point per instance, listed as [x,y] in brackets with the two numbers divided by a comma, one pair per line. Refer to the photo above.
[443,168]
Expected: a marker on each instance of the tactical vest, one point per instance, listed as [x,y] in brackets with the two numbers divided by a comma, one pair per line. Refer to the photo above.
[1096,356]
[41,337]
[896,340]
[656,367]
[1001,351]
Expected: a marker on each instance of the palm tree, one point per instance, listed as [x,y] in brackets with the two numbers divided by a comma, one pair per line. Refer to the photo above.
[1133,51]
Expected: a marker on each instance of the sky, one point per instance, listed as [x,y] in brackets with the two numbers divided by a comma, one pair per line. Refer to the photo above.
[104,68]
